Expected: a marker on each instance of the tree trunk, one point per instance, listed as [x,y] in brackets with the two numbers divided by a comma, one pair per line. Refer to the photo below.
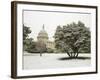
[40,54]
[71,55]
[77,55]
[68,54]
[74,54]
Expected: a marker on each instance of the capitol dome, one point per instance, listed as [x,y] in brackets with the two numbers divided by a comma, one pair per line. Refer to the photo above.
[42,35]
[43,38]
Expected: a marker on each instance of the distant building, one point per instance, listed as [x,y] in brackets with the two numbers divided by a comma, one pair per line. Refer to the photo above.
[43,37]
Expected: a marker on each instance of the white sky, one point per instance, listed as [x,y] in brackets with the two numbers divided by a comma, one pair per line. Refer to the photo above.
[36,19]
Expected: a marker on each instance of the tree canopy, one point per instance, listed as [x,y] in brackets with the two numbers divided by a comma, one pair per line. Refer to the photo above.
[29,44]
[73,38]
[26,32]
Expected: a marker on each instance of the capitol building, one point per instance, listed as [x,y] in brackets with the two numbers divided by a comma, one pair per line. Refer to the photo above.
[43,37]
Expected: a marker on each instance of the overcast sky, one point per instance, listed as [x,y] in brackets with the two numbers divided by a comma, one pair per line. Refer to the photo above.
[36,19]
